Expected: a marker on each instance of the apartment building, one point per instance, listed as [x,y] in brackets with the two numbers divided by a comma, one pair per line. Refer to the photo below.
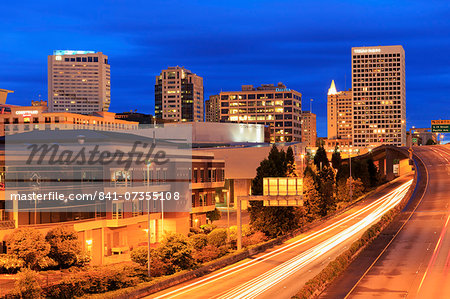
[179,95]
[274,106]
[379,99]
[78,82]
[212,109]
[309,134]
[339,113]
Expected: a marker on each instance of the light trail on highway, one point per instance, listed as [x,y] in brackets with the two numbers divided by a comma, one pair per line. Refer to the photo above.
[258,285]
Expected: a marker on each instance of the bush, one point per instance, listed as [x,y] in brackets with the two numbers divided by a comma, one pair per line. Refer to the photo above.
[29,245]
[207,253]
[217,237]
[157,266]
[256,238]
[207,228]
[140,255]
[27,284]
[198,241]
[46,263]
[64,246]
[96,280]
[176,252]
[10,264]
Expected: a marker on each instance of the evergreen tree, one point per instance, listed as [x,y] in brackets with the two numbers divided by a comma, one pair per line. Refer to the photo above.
[273,221]
[326,190]
[311,196]
[291,167]
[373,173]
[321,159]
[336,159]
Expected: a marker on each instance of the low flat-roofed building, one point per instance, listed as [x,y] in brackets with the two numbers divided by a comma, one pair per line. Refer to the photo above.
[224,133]
[17,119]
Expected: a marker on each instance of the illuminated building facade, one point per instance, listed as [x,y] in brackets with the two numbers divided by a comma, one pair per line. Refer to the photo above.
[179,95]
[277,107]
[212,109]
[309,134]
[379,104]
[78,82]
[339,113]
[19,119]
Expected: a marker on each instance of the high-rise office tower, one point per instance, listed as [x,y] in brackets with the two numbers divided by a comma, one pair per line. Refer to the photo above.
[379,105]
[339,113]
[212,109]
[78,82]
[277,107]
[309,134]
[179,95]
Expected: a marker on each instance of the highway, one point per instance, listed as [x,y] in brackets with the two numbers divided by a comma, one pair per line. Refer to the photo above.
[281,271]
[416,264]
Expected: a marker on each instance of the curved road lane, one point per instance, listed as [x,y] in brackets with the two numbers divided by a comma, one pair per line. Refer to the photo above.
[417,263]
[282,270]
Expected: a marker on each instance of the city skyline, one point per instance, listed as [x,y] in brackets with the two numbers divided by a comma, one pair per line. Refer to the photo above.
[305,60]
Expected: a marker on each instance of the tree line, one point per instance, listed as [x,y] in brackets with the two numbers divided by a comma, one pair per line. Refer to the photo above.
[326,187]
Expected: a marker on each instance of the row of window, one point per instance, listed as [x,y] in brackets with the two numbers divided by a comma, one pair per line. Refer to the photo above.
[84,59]
[260,96]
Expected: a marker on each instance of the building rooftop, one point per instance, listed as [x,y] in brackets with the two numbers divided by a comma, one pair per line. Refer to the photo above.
[332,90]
[72,52]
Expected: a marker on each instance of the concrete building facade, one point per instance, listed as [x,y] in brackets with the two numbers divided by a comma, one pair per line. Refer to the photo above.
[179,95]
[379,99]
[78,82]
[277,107]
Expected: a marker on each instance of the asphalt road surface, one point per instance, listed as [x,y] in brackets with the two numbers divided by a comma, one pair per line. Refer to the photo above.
[417,262]
[281,271]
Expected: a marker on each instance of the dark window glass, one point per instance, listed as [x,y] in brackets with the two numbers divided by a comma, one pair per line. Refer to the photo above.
[95,59]
[224,104]
[251,96]
[78,59]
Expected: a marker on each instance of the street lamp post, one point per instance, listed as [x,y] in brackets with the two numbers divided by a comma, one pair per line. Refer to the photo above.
[350,159]
[302,156]
[148,220]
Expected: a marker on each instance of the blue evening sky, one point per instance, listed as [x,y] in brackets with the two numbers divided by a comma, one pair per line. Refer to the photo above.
[304,44]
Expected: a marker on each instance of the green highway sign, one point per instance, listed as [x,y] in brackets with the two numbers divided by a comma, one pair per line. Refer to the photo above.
[440,128]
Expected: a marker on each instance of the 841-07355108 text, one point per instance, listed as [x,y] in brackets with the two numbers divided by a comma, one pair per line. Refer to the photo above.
[132,195]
